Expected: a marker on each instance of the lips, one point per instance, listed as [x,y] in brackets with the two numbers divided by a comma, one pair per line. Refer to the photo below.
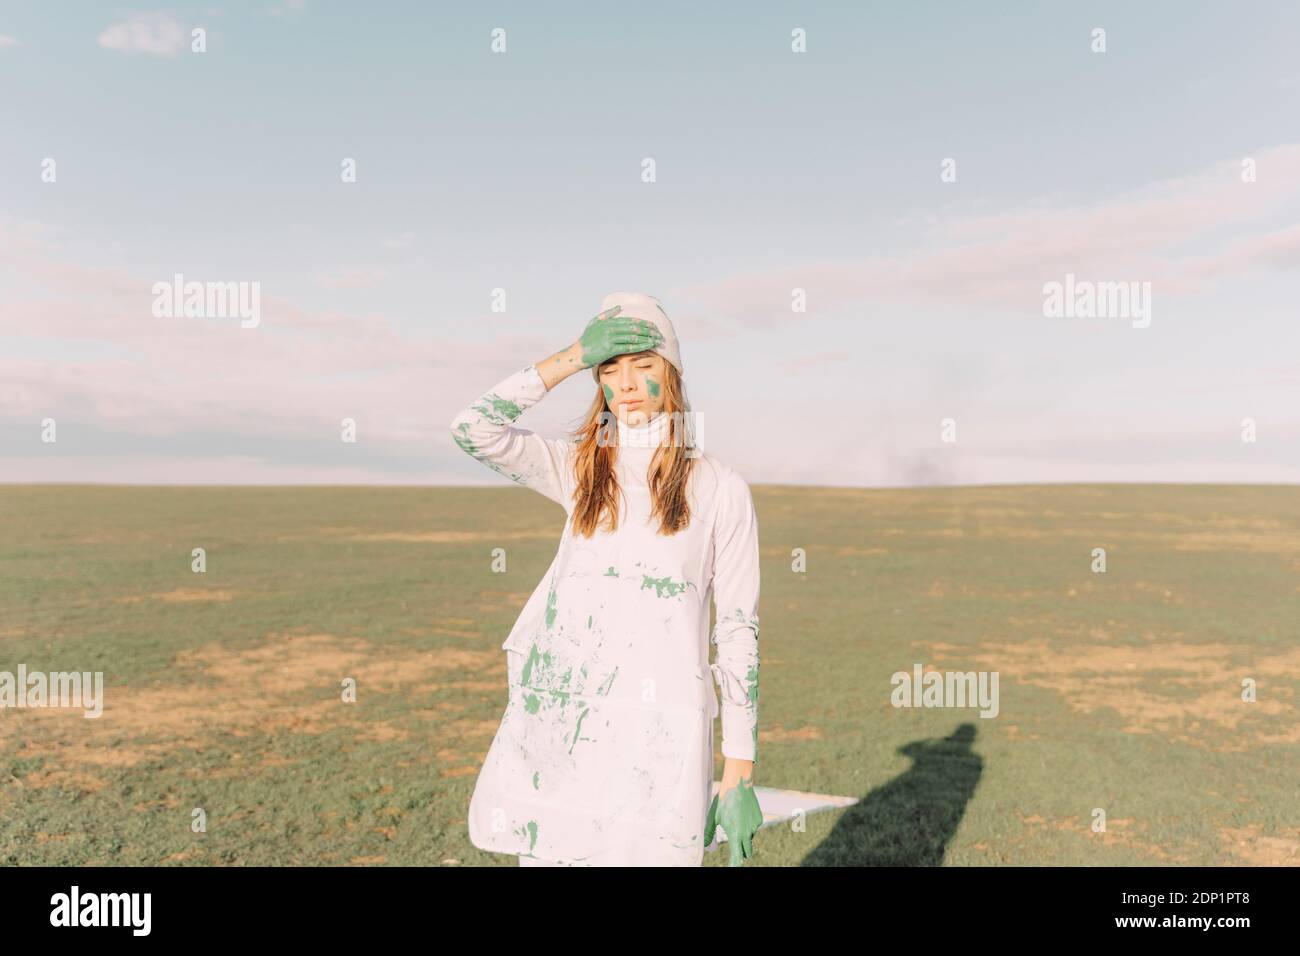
[630,401]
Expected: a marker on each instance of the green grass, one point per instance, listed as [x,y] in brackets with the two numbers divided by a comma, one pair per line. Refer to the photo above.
[1119,692]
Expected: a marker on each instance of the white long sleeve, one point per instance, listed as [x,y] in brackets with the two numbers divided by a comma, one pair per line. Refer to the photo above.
[484,430]
[735,598]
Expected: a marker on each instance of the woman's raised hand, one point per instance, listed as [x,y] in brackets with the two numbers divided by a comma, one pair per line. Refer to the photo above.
[610,334]
[607,335]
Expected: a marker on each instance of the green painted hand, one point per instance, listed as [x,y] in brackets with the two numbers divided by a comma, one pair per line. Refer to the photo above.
[740,816]
[610,334]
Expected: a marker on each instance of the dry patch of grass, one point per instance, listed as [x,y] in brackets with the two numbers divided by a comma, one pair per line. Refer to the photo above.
[1251,846]
[1185,692]
[1124,832]
[1271,537]
[275,687]
[179,596]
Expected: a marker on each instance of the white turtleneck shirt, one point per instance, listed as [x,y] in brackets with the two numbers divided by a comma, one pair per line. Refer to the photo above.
[604,753]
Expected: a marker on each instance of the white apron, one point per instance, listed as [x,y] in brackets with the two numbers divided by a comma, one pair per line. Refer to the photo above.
[604,754]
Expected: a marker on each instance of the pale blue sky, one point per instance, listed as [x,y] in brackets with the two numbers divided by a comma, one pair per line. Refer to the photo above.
[774,170]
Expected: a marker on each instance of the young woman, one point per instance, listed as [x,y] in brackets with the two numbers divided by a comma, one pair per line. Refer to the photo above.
[604,755]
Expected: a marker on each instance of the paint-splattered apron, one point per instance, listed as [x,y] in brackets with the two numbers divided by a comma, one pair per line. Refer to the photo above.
[604,754]
[605,751]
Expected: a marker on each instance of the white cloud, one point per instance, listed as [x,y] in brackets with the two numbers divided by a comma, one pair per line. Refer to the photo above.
[157,34]
[999,261]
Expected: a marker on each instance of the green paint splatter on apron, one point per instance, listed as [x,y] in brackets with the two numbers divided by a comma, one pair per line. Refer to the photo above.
[603,689]
[530,831]
[664,587]
[550,608]
[578,727]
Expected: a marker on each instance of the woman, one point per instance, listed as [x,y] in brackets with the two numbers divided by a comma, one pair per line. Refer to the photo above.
[604,755]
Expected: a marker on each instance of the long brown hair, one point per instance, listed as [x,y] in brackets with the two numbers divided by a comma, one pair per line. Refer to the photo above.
[596,491]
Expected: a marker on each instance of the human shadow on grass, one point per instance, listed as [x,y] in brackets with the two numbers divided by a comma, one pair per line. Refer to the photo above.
[908,821]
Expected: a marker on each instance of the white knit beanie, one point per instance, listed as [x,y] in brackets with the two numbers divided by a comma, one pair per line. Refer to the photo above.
[638,305]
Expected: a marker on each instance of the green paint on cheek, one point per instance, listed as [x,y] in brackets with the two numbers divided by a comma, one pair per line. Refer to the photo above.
[652,387]
[609,392]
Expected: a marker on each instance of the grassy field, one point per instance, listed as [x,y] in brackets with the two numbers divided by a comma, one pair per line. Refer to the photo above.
[1118,691]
